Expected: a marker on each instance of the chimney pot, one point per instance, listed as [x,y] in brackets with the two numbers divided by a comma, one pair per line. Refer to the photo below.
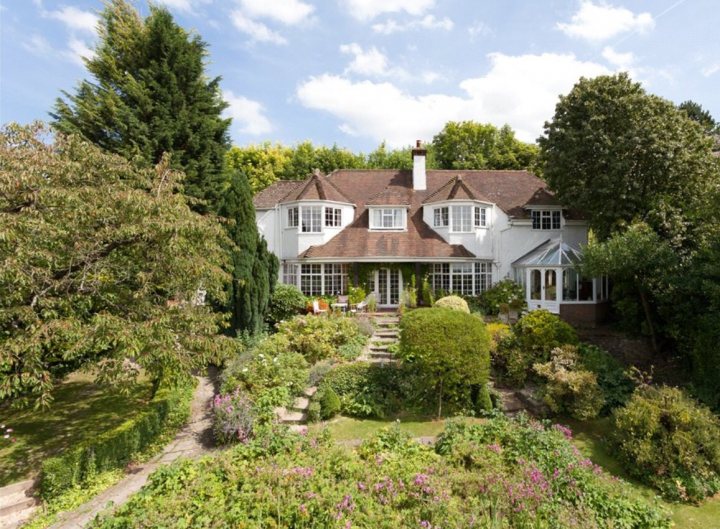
[418,144]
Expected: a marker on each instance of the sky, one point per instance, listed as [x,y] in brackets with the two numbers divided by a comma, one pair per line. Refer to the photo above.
[358,72]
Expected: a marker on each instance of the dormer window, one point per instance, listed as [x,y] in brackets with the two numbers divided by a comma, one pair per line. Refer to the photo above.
[292,218]
[311,219]
[333,217]
[480,217]
[462,219]
[544,219]
[441,217]
[387,219]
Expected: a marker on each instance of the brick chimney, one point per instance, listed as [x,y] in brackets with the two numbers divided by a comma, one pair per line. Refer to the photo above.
[419,174]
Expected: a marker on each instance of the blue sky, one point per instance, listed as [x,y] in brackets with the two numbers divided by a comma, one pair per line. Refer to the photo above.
[356,72]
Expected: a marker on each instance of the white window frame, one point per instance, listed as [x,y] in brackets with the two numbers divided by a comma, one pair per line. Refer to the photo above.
[311,219]
[467,278]
[396,216]
[546,219]
[317,279]
[293,217]
[461,219]
[480,217]
[333,217]
[441,217]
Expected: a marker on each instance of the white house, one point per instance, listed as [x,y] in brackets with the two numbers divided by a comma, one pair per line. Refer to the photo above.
[464,230]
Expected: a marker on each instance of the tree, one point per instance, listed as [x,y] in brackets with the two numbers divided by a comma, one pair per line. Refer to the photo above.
[103,265]
[698,114]
[150,96]
[449,348]
[619,154]
[472,145]
[262,164]
[305,158]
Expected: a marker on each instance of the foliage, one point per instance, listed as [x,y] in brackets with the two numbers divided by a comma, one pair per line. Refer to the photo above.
[102,264]
[449,349]
[614,382]
[618,154]
[114,449]
[669,441]
[454,303]
[6,434]
[233,418]
[505,291]
[320,337]
[498,332]
[428,299]
[286,301]
[150,96]
[569,388]
[356,294]
[472,145]
[506,477]
[319,370]
[698,114]
[372,302]
[262,164]
[329,403]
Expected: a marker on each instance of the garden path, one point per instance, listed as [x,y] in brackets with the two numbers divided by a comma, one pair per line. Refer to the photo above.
[194,440]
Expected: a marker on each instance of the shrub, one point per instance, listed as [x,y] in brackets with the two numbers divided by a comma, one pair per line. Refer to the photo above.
[286,301]
[167,411]
[447,348]
[356,294]
[540,331]
[318,338]
[329,403]
[267,365]
[454,303]
[233,418]
[365,325]
[570,389]
[318,371]
[428,299]
[669,441]
[498,332]
[614,382]
[506,291]
[313,412]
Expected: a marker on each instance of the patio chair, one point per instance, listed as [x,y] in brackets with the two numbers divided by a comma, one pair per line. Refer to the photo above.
[360,307]
[317,309]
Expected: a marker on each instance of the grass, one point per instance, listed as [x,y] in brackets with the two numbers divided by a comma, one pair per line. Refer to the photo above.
[590,437]
[80,411]
[346,428]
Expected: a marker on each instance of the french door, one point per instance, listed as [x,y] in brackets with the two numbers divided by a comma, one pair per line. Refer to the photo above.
[542,289]
[388,285]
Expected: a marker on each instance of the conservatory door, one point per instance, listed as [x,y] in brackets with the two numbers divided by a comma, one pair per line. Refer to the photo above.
[388,287]
[542,289]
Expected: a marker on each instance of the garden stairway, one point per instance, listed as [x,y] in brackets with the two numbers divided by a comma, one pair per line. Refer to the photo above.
[16,503]
[295,416]
[386,334]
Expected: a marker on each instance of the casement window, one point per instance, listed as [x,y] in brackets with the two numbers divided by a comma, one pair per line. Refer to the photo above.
[483,277]
[466,279]
[543,219]
[290,273]
[462,219]
[335,280]
[311,279]
[311,219]
[387,219]
[440,277]
[480,217]
[461,278]
[441,217]
[321,279]
[333,217]
[292,217]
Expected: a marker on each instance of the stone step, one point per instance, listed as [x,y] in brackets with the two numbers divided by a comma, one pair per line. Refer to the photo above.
[381,355]
[309,392]
[382,360]
[379,347]
[17,519]
[15,503]
[17,486]
[301,404]
[387,323]
[293,417]
[383,339]
[386,334]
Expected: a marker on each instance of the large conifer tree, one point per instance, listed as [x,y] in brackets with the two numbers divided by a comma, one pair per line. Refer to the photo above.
[150,95]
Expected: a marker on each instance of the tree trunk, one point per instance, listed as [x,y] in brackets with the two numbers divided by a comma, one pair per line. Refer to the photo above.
[648,318]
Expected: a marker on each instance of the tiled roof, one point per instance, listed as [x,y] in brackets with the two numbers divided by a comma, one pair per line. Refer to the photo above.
[270,196]
[455,189]
[317,187]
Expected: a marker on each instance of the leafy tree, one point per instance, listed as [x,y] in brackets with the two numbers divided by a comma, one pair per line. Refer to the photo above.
[697,113]
[262,164]
[618,153]
[149,96]
[450,349]
[305,158]
[472,145]
[103,265]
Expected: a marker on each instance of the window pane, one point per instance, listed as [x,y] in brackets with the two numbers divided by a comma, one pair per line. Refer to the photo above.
[556,220]
[570,292]
[462,218]
[586,289]
[536,220]
[535,284]
[550,285]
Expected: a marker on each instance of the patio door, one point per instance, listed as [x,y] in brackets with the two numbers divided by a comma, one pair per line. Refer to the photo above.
[388,284]
[542,289]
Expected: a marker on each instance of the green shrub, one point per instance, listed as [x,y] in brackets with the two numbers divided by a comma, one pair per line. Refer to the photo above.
[569,388]
[506,291]
[329,403]
[454,303]
[318,371]
[448,349]
[313,412]
[356,294]
[615,384]
[319,337]
[286,302]
[705,357]
[428,299]
[167,411]
[268,365]
[669,441]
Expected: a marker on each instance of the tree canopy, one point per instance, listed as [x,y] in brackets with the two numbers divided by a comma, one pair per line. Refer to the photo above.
[619,154]
[102,264]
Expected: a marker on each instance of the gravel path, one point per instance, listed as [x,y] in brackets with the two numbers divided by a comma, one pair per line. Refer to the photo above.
[193,440]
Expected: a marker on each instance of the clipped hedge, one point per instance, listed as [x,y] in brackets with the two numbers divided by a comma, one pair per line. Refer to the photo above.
[167,411]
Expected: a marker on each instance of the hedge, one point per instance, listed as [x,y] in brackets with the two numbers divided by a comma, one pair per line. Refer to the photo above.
[167,411]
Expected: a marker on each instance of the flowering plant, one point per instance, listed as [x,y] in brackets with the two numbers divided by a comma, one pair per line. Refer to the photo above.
[6,433]
[233,418]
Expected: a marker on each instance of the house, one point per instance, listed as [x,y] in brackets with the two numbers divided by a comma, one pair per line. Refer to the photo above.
[462,230]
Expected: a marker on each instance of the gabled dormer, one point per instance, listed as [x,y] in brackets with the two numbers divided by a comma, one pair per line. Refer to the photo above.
[457,207]
[388,210]
[316,206]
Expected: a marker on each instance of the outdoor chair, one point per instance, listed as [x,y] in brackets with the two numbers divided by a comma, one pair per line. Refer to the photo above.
[317,309]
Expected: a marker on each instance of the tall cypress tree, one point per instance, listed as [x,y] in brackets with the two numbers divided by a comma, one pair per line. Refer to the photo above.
[150,95]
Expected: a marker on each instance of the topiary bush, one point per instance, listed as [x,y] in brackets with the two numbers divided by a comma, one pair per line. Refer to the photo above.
[447,349]
[506,292]
[569,387]
[669,441]
[286,302]
[454,303]
[329,403]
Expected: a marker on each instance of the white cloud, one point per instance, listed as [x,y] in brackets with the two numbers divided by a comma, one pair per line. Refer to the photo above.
[77,51]
[38,45]
[257,30]
[75,19]
[519,90]
[248,115]
[186,6]
[479,29]
[427,22]
[598,22]
[365,62]
[289,12]
[369,9]
[622,60]
[710,69]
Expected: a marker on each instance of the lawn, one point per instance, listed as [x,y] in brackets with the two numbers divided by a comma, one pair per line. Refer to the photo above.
[346,428]
[81,410]
[590,437]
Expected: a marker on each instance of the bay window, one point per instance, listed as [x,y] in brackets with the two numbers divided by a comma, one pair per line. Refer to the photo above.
[311,219]
[480,217]
[387,218]
[333,217]
[462,219]
[292,218]
[441,217]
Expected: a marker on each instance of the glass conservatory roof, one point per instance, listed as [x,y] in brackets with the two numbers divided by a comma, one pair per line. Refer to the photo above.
[553,252]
